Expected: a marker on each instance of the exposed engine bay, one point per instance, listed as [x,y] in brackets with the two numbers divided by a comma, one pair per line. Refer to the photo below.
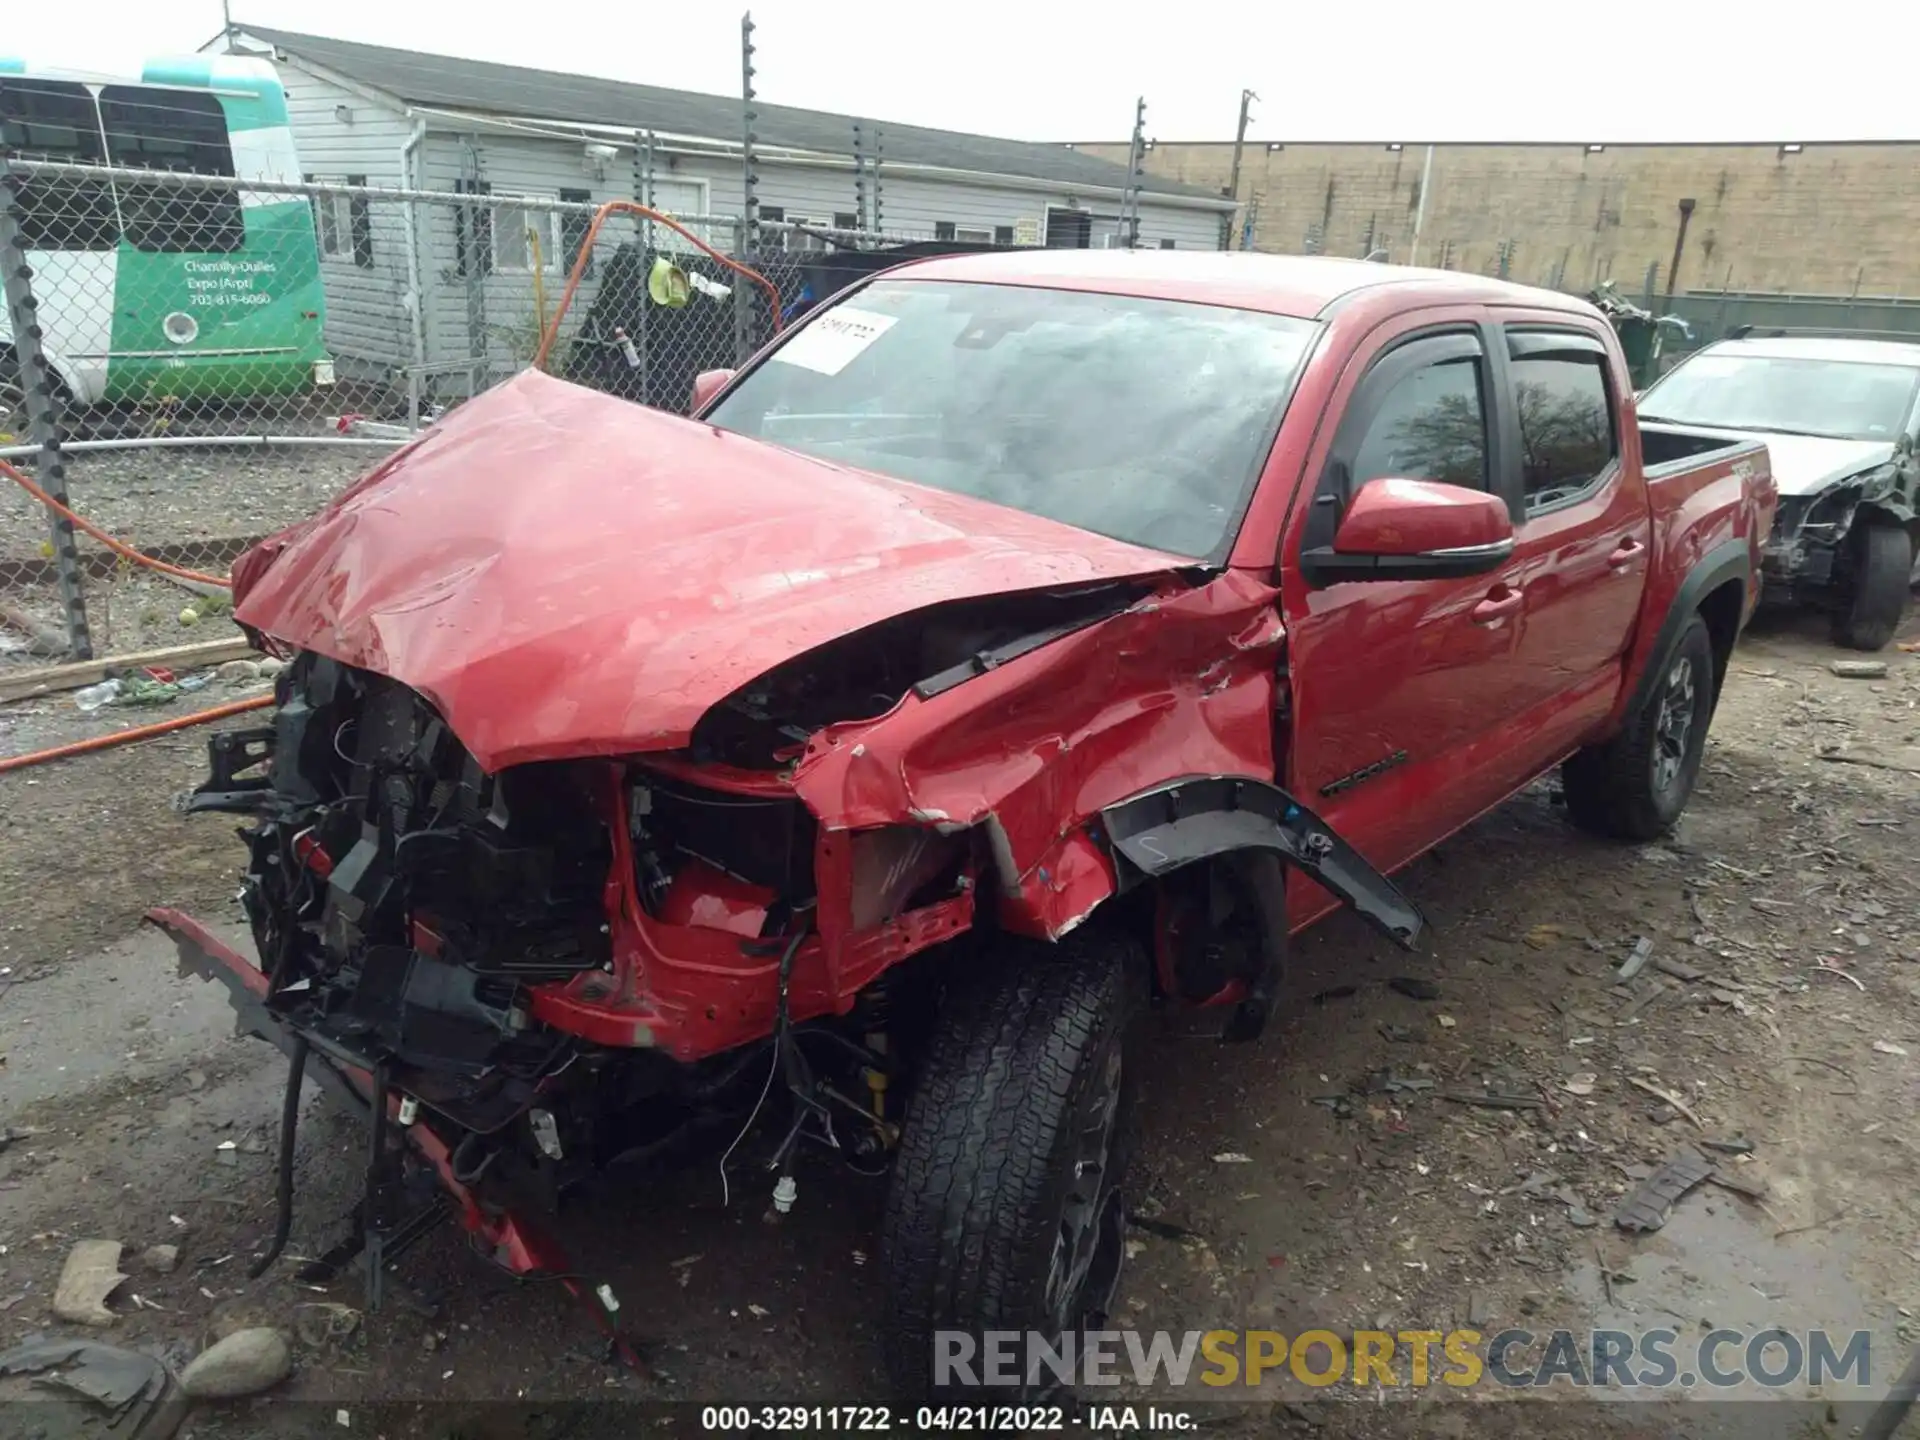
[413,914]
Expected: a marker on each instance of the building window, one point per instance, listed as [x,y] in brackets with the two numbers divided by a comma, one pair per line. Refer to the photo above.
[1166,245]
[845,220]
[523,234]
[775,213]
[574,225]
[682,198]
[1003,235]
[973,236]
[943,229]
[343,224]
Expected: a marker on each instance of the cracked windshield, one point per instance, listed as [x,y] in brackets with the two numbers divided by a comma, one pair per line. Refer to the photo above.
[1143,420]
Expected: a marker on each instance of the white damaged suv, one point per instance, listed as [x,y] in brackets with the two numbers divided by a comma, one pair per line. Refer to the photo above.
[1841,417]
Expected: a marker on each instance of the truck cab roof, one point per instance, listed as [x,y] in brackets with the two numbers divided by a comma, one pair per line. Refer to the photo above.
[1304,286]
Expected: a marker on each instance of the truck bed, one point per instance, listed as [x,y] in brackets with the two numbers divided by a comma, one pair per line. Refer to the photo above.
[1667,449]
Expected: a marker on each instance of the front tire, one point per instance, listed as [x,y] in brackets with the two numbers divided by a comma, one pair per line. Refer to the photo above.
[1636,785]
[1005,1210]
[1881,559]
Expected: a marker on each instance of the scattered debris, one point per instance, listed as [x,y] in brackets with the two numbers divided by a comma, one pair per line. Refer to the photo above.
[1581,1084]
[759,1312]
[1839,1214]
[1755,1190]
[1401,1035]
[1839,1070]
[1487,1100]
[1839,757]
[323,1321]
[1679,970]
[1823,968]
[1232,1157]
[1859,669]
[91,1274]
[132,1392]
[1414,988]
[1637,961]
[1887,1047]
[1542,937]
[245,1363]
[1445,1022]
[1337,992]
[1165,1229]
[1580,1217]
[160,1259]
[1674,1100]
[1647,1208]
[1728,1147]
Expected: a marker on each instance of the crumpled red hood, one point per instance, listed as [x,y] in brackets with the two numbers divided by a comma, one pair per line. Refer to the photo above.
[563,573]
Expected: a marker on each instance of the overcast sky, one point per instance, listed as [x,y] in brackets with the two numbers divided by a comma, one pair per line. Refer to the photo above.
[1406,70]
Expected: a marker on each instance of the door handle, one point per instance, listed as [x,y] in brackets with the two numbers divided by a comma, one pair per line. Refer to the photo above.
[1501,601]
[1626,552]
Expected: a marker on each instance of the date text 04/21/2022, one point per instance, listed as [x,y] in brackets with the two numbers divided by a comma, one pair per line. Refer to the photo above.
[982,1419]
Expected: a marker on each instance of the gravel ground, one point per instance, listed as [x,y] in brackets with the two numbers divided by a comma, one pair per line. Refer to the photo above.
[1298,1183]
[195,507]
[172,496]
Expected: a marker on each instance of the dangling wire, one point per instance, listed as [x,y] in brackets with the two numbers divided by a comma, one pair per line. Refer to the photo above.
[773,1068]
[289,1118]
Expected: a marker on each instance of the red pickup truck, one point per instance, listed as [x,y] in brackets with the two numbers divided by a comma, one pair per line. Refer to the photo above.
[1020,640]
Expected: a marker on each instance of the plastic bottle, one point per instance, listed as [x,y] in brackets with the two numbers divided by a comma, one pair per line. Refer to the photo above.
[95,696]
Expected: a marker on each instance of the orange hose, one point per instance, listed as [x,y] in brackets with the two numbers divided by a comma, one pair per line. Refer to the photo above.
[118,547]
[634,207]
[139,732]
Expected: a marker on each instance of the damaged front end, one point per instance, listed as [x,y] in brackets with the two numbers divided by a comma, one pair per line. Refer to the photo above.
[558,861]
[1806,557]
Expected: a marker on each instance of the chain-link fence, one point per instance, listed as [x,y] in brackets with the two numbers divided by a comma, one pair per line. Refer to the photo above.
[197,362]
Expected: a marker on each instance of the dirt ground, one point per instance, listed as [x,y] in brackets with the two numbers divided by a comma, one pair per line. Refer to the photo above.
[194,506]
[1322,1178]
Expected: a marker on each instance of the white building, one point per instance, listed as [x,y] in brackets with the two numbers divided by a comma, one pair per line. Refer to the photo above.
[413,285]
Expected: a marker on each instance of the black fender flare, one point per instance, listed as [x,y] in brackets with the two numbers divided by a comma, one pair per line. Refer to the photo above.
[1729,560]
[1180,821]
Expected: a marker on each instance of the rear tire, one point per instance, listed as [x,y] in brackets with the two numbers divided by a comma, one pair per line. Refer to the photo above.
[1005,1210]
[1636,785]
[1881,557]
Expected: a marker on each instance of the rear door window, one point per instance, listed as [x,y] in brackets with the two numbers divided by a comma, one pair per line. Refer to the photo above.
[1568,443]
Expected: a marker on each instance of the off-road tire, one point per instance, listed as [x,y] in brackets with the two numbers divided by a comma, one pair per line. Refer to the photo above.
[987,1160]
[1616,789]
[1880,566]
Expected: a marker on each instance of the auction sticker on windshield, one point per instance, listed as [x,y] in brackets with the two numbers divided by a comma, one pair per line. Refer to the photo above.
[831,342]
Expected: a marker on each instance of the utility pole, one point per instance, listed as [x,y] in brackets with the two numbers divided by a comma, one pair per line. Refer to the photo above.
[1247,97]
[743,336]
[1420,208]
[1136,166]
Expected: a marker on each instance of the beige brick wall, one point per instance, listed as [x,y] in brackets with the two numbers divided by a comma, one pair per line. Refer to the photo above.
[1822,221]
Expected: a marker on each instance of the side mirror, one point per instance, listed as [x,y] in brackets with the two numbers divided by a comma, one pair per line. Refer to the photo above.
[1414,530]
[707,384]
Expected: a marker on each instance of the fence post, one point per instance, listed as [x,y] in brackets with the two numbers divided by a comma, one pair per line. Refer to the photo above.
[43,418]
